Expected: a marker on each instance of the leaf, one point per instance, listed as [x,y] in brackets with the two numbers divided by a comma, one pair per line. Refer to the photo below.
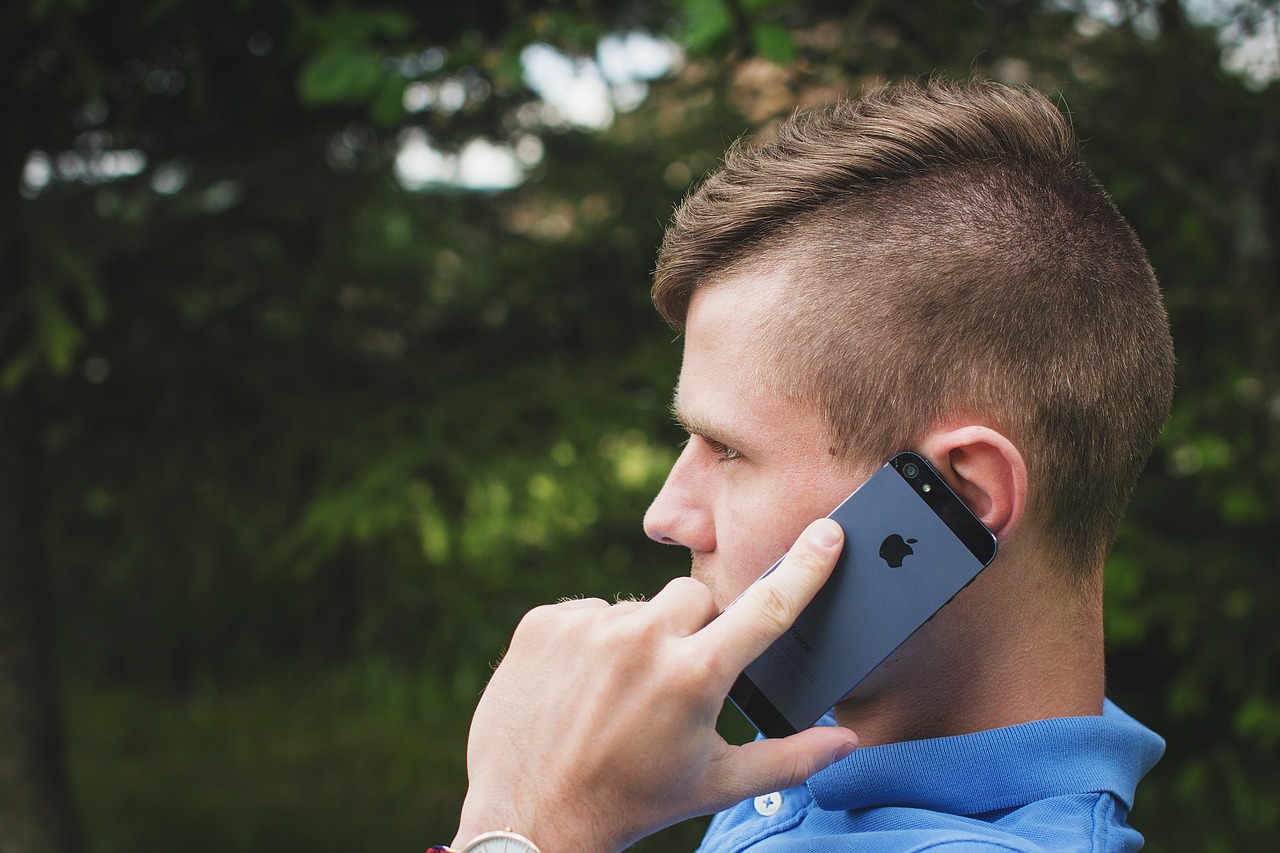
[774,42]
[85,283]
[340,74]
[59,338]
[17,369]
[709,22]
[387,108]
[391,23]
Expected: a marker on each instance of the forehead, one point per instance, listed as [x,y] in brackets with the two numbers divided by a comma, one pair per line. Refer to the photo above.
[728,392]
[724,334]
[726,378]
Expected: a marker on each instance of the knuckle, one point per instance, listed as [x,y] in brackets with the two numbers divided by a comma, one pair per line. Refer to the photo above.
[693,592]
[797,769]
[685,585]
[536,618]
[547,618]
[634,629]
[775,607]
[807,561]
[695,675]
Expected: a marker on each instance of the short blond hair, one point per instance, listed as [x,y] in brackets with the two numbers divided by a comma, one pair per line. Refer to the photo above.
[945,252]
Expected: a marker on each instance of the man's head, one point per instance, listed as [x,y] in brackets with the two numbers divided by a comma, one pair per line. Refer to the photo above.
[934,256]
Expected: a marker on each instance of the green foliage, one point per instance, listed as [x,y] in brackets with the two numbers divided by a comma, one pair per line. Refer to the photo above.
[351,759]
[774,42]
[350,65]
[708,24]
[358,758]
[716,26]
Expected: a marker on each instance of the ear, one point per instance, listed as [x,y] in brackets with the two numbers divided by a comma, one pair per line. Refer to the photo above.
[985,469]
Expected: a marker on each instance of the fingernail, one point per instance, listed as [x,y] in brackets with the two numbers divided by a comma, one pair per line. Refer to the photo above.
[824,533]
[847,748]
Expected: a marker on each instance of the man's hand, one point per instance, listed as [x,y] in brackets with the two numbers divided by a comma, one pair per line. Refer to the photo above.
[599,726]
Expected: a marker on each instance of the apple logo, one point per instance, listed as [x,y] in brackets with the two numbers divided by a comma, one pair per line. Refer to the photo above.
[893,550]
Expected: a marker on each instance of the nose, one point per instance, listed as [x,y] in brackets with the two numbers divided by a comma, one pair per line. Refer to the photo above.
[681,513]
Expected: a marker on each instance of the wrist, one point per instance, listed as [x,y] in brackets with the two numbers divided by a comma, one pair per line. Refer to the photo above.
[477,822]
[485,810]
[493,841]
[566,831]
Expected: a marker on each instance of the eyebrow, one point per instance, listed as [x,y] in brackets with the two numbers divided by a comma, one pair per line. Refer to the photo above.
[695,425]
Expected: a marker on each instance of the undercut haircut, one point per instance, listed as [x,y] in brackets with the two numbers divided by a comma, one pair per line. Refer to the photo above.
[943,253]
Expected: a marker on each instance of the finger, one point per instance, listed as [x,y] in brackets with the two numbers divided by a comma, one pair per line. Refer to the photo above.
[776,764]
[578,604]
[685,604]
[624,607]
[770,605]
[545,616]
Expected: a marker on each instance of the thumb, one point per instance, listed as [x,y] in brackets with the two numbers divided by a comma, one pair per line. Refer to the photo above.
[775,764]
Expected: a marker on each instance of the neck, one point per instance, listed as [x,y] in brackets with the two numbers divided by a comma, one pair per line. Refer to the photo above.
[1001,653]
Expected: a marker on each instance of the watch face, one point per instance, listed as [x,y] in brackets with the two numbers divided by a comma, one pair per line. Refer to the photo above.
[500,842]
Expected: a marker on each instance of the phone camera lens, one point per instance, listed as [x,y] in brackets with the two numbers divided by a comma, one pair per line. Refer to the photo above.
[910,470]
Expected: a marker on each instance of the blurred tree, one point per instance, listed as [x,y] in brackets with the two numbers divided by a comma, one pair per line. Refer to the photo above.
[228,338]
[281,391]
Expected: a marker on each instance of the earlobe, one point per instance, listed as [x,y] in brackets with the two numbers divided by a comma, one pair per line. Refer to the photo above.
[985,469]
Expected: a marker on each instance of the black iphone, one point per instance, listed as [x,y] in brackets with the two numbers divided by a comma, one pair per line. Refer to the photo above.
[910,545]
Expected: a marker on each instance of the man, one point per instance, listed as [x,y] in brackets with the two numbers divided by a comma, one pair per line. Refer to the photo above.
[928,268]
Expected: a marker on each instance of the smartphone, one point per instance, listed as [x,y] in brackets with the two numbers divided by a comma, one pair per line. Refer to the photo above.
[910,545]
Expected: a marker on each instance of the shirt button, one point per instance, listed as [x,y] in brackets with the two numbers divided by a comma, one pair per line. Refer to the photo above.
[768,804]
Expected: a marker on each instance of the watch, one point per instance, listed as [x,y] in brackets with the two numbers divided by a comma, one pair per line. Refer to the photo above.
[498,841]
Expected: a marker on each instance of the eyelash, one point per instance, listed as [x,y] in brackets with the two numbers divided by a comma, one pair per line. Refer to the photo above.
[724,452]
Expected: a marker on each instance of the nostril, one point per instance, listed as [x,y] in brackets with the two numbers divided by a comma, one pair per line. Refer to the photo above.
[659,534]
[656,529]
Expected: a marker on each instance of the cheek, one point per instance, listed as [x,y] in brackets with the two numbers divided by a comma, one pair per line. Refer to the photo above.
[751,535]
[762,527]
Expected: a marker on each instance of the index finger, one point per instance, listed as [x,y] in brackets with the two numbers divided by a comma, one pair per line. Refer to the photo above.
[770,606]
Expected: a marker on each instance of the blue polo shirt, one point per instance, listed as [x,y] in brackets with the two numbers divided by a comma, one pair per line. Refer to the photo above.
[1052,785]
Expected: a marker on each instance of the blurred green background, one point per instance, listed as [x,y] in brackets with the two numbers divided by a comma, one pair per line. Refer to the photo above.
[326,351]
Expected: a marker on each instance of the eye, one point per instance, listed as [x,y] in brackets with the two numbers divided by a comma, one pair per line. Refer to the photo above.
[721,450]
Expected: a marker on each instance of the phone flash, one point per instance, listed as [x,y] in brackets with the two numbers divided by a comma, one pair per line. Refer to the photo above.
[926,488]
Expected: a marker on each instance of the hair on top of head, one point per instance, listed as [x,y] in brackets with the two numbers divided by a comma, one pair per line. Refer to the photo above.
[941,251]
[892,133]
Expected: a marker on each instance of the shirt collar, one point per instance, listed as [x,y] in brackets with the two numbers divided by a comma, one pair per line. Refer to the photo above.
[997,769]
